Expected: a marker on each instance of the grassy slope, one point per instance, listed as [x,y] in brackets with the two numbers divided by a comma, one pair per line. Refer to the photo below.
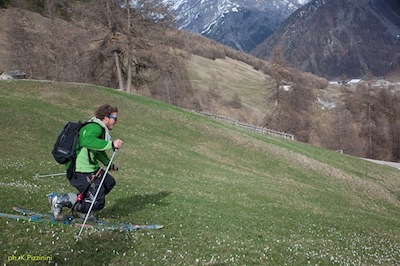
[225,195]
[232,75]
[229,76]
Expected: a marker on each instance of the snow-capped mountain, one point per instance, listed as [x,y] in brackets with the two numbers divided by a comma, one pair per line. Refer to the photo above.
[335,38]
[241,24]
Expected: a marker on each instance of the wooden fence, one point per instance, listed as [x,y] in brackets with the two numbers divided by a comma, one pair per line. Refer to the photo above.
[261,130]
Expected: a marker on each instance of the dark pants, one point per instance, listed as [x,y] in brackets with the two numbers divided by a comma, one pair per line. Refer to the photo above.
[81,181]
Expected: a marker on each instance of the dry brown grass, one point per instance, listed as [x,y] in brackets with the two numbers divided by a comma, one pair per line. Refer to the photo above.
[227,77]
[4,42]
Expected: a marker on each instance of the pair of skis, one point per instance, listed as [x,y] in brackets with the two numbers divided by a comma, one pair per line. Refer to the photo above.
[28,215]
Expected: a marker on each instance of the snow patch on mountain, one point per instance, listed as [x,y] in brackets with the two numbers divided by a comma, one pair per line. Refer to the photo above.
[198,16]
[225,20]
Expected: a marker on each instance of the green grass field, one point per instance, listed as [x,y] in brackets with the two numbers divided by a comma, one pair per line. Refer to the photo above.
[226,196]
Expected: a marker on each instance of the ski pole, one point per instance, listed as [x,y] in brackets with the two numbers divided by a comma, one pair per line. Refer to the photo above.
[37,175]
[97,193]
[82,195]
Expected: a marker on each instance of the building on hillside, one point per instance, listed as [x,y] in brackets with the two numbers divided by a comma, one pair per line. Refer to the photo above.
[12,74]
[354,81]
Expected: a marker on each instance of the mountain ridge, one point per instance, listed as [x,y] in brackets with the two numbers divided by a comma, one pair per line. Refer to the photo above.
[339,38]
[216,19]
[333,39]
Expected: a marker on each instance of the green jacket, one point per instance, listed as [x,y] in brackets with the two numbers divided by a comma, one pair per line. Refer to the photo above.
[93,146]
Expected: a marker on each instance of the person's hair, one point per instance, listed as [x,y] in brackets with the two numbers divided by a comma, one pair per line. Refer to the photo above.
[105,110]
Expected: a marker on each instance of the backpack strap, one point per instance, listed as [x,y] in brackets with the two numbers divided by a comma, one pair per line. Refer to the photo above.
[103,132]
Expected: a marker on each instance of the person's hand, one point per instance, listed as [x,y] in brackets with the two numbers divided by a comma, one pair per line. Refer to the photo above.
[117,144]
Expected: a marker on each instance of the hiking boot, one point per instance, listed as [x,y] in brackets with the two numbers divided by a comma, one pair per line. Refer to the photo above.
[55,207]
[57,202]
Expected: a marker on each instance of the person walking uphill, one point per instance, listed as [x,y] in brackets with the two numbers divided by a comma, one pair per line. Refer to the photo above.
[94,140]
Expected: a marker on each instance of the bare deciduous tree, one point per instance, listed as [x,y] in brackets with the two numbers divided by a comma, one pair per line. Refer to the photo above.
[277,73]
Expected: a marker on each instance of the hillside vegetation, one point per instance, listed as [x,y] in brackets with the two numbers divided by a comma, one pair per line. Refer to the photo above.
[86,42]
[226,196]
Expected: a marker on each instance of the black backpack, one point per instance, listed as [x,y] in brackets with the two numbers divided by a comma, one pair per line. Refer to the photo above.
[64,148]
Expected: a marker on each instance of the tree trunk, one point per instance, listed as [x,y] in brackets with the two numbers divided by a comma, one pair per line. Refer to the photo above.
[115,51]
[129,70]
[119,72]
[51,8]
[370,151]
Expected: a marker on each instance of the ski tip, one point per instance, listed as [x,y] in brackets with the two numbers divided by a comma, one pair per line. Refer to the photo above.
[154,226]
